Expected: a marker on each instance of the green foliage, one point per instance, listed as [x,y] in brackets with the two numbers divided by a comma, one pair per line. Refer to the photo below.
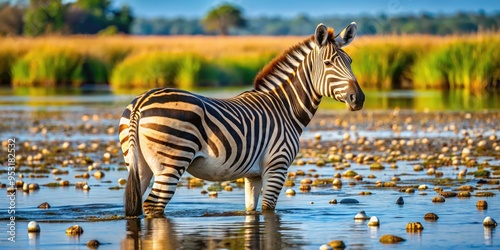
[7,59]
[148,70]
[223,17]
[44,17]
[383,66]
[49,67]
[96,7]
[462,64]
[186,71]
[108,31]
[446,24]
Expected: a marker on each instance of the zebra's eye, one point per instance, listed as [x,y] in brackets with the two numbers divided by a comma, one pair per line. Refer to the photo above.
[327,62]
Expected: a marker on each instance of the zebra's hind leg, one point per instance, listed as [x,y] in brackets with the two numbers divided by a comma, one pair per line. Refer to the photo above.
[163,189]
[253,185]
[273,183]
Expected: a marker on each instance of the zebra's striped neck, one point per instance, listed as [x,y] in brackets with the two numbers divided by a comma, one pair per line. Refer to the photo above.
[288,77]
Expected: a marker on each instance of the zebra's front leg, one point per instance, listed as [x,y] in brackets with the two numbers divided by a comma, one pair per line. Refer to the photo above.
[253,186]
[163,189]
[273,183]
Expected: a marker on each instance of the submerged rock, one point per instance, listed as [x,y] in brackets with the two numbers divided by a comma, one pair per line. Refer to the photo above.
[349,201]
[438,199]
[337,244]
[44,205]
[431,217]
[400,201]
[390,239]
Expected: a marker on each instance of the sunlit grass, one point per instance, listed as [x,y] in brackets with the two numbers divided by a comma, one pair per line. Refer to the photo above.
[379,62]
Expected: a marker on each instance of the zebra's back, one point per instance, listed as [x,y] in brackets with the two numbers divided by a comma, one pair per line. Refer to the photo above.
[217,139]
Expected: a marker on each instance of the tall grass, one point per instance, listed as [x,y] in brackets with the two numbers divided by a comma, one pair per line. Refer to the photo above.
[380,62]
[48,67]
[383,66]
[462,64]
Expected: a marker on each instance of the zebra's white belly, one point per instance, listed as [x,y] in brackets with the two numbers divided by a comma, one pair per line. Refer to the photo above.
[214,169]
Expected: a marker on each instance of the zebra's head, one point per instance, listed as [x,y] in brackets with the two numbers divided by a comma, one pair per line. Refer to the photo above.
[331,73]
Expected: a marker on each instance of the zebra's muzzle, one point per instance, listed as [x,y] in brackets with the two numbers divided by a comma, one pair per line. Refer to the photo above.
[354,98]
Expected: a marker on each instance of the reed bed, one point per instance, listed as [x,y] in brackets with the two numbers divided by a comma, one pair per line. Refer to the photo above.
[379,62]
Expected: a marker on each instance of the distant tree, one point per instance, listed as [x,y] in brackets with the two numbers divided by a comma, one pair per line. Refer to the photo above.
[11,20]
[44,17]
[95,7]
[222,18]
[93,16]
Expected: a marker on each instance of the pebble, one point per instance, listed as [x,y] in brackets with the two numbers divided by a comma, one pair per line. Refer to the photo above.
[325,247]
[349,173]
[305,188]
[438,199]
[334,201]
[422,187]
[373,222]
[361,215]
[390,239]
[98,174]
[448,194]
[489,222]
[306,181]
[431,171]
[414,226]
[93,243]
[106,156]
[464,194]
[337,182]
[400,201]
[317,136]
[122,181]
[74,230]
[337,244]
[86,187]
[482,205]
[290,192]
[228,188]
[33,227]
[431,217]
[213,194]
[64,183]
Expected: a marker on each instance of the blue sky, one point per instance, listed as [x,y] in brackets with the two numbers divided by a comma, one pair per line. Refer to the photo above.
[315,8]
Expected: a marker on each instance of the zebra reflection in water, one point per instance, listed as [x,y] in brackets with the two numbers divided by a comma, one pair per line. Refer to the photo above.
[255,135]
[253,233]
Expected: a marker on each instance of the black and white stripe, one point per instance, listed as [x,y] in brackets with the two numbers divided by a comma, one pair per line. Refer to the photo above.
[255,135]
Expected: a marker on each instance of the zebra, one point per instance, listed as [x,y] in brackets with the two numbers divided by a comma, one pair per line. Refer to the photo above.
[165,132]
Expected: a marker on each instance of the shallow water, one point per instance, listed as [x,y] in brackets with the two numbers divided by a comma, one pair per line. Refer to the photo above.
[303,221]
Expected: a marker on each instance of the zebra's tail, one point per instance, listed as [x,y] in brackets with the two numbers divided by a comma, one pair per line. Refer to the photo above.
[133,195]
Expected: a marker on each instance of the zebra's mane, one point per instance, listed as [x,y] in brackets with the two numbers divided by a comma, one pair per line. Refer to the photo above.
[280,62]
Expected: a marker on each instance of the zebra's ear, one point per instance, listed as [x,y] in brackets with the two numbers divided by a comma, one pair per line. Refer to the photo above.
[321,35]
[345,37]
